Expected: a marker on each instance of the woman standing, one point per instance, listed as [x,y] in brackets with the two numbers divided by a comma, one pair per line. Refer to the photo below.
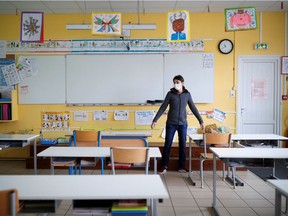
[177,99]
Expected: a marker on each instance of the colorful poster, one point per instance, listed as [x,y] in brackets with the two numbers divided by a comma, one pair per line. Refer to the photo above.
[26,67]
[10,74]
[219,115]
[32,27]
[240,18]
[106,23]
[55,121]
[178,26]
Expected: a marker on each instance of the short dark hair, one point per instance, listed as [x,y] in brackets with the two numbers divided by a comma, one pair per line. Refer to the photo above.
[178,77]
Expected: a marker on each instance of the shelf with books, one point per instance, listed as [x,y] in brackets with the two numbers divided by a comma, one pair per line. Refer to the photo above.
[9,108]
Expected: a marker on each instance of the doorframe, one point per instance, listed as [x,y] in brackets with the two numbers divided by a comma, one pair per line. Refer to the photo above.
[278,83]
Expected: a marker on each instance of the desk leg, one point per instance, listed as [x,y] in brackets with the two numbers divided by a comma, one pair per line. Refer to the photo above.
[35,158]
[155,165]
[153,207]
[190,162]
[277,203]
[214,186]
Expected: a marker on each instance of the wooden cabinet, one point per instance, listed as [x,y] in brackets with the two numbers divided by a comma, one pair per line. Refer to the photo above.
[9,109]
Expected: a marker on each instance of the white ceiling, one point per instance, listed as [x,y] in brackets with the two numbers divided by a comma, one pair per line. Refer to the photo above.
[134,6]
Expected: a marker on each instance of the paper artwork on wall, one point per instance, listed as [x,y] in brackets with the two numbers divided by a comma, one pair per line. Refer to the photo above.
[32,27]
[55,121]
[144,117]
[10,74]
[26,67]
[219,115]
[106,23]
[80,116]
[121,115]
[240,18]
[100,115]
[178,26]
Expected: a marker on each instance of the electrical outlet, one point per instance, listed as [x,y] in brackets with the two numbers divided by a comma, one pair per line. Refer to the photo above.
[232,93]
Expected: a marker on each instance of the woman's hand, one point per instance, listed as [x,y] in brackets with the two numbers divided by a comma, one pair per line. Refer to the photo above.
[202,126]
[153,125]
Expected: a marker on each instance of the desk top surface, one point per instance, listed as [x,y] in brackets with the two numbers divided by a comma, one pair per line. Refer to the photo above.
[47,187]
[154,152]
[280,184]
[126,133]
[17,137]
[272,153]
[245,137]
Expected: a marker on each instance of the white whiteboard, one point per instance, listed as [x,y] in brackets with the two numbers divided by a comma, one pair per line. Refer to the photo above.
[48,85]
[117,78]
[114,78]
[197,70]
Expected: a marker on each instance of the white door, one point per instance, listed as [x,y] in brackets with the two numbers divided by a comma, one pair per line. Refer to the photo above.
[259,88]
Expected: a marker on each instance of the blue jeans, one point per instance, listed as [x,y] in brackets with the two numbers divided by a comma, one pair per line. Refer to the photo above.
[182,134]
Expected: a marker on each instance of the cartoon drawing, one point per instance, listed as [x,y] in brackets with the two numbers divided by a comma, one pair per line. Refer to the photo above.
[32,27]
[240,18]
[178,26]
[106,23]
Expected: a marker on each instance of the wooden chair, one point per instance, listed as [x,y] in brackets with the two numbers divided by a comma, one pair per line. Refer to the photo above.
[125,157]
[121,141]
[86,139]
[9,202]
[216,140]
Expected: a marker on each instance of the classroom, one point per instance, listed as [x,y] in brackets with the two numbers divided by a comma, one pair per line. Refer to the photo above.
[105,67]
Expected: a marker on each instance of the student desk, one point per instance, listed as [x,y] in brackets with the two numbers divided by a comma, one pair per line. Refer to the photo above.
[87,187]
[21,140]
[281,188]
[236,138]
[243,153]
[95,152]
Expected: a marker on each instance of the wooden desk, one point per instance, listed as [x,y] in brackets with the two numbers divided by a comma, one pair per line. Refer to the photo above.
[235,138]
[94,152]
[25,140]
[281,188]
[87,187]
[243,153]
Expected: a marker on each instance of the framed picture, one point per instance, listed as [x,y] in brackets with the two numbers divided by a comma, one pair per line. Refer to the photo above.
[178,26]
[106,23]
[284,65]
[240,19]
[32,27]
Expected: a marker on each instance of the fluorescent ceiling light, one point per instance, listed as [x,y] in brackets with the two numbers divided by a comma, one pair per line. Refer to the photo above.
[78,26]
[139,26]
[124,26]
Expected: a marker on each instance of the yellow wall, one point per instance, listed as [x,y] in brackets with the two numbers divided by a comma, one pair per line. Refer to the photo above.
[208,26]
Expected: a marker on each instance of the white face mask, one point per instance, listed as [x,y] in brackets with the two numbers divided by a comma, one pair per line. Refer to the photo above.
[178,87]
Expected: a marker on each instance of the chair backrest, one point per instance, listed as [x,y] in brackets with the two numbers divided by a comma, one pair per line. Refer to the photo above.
[216,140]
[86,138]
[129,155]
[124,142]
[9,202]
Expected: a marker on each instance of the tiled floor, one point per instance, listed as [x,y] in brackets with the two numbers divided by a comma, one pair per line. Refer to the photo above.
[256,198]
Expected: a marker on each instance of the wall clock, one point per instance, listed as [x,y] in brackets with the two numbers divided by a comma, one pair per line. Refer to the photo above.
[225,46]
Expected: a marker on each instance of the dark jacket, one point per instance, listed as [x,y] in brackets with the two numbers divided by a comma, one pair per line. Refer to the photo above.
[177,107]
